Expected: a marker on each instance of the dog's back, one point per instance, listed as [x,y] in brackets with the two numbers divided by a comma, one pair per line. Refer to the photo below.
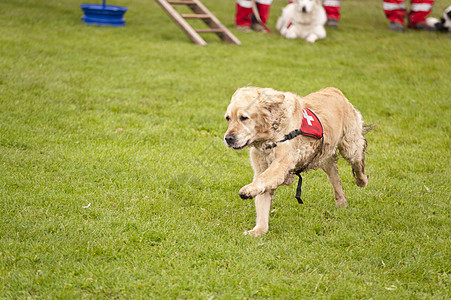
[333,108]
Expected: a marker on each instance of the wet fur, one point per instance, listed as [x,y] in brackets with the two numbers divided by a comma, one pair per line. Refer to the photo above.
[259,117]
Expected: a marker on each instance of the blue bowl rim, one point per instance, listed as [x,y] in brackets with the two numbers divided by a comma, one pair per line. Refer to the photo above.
[100,7]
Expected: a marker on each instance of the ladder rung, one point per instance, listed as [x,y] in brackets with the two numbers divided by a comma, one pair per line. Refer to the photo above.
[196,16]
[187,2]
[200,12]
[209,30]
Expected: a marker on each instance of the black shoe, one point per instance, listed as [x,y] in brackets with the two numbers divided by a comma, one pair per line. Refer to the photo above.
[332,23]
[396,26]
[424,26]
[258,27]
[243,28]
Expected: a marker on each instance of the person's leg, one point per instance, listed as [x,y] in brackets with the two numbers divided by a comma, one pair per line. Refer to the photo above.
[243,16]
[419,10]
[264,7]
[332,8]
[395,11]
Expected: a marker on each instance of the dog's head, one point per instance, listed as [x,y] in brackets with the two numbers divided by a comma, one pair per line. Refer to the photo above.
[304,6]
[253,116]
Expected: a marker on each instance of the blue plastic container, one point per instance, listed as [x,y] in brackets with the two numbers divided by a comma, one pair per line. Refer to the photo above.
[103,15]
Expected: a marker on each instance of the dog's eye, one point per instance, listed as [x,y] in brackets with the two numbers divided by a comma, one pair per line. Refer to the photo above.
[227,118]
[243,118]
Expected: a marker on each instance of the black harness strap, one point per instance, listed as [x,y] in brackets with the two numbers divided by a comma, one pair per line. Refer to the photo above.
[299,188]
[291,136]
[287,137]
[298,172]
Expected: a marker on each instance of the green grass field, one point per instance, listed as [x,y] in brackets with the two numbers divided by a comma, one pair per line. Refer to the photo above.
[115,181]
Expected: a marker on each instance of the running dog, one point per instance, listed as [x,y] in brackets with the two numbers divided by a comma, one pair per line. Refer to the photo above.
[288,135]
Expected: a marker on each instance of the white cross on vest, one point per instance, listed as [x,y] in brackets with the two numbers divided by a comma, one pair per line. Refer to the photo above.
[307,117]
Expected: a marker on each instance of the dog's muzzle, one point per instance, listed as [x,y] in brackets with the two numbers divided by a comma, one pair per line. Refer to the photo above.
[230,140]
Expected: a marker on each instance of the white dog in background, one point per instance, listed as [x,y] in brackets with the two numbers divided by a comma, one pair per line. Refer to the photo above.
[303,19]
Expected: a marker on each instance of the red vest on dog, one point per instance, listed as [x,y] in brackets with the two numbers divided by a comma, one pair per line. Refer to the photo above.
[311,126]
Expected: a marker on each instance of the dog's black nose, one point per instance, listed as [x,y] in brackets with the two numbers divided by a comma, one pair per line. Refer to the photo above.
[230,139]
[304,9]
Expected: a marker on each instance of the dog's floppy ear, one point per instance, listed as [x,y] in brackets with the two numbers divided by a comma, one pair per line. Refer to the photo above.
[272,105]
[270,101]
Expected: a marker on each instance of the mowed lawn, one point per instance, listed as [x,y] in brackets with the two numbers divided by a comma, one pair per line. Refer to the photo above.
[115,181]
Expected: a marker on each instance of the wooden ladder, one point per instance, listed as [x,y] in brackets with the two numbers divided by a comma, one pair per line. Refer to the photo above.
[200,13]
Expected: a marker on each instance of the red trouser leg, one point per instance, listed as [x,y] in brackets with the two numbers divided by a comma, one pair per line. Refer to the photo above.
[263,10]
[419,10]
[395,10]
[332,8]
[243,16]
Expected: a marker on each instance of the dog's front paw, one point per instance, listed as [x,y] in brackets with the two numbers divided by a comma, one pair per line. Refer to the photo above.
[362,180]
[256,231]
[249,191]
[290,34]
[341,202]
[283,31]
[311,38]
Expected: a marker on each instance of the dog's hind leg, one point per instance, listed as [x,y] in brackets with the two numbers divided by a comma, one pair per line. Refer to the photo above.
[352,148]
[262,207]
[331,169]
[358,169]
